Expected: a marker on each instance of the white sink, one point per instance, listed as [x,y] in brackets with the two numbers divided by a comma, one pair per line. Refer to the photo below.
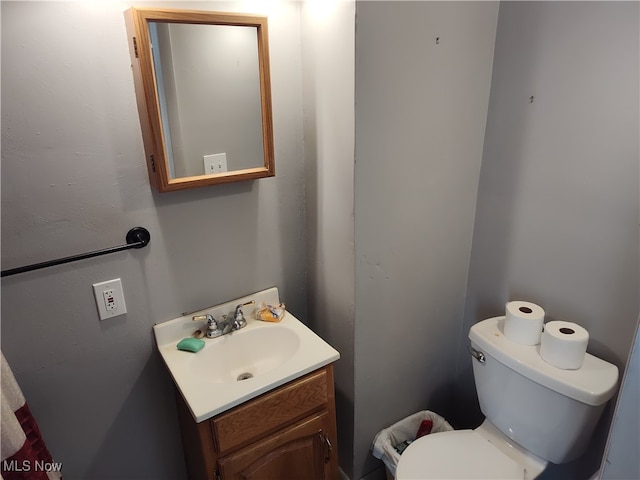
[245,354]
[236,367]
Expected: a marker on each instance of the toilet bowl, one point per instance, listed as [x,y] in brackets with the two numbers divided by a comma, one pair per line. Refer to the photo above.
[535,414]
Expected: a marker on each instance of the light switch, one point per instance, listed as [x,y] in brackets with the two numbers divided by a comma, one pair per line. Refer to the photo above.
[216,163]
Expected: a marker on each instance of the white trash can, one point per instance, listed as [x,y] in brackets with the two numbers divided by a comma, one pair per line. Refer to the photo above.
[401,433]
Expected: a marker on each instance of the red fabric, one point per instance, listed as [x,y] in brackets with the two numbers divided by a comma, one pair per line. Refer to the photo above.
[28,463]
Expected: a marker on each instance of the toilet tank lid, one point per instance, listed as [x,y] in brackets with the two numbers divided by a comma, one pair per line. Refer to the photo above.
[593,384]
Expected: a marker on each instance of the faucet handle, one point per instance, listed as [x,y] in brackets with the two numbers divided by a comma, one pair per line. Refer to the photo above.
[213,329]
[238,315]
[211,322]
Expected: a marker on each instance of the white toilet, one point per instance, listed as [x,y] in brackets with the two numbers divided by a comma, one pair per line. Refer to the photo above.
[535,414]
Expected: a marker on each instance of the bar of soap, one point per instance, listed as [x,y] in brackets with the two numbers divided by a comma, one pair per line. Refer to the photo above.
[190,344]
[269,313]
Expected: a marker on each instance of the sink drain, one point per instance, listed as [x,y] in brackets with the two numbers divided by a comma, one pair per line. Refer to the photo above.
[244,376]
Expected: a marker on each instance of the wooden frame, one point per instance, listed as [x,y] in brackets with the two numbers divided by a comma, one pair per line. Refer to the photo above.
[137,20]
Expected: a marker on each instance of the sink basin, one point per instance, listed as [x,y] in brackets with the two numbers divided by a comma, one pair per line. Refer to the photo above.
[236,367]
[245,355]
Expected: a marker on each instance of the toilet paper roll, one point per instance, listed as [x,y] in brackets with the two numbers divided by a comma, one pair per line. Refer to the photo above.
[564,345]
[523,322]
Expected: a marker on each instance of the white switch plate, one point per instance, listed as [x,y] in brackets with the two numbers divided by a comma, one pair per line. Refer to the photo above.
[109,298]
[215,163]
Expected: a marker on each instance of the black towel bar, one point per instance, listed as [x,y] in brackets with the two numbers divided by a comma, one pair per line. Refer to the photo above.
[137,237]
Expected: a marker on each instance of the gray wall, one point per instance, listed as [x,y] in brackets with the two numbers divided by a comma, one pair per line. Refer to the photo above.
[328,81]
[558,201]
[74,180]
[421,107]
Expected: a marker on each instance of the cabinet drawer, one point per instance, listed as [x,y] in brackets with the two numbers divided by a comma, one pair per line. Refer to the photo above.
[269,412]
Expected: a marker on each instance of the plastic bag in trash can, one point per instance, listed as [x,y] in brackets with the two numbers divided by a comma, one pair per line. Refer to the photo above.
[406,429]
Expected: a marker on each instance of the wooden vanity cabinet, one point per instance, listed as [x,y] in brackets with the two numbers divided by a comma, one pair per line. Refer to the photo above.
[287,433]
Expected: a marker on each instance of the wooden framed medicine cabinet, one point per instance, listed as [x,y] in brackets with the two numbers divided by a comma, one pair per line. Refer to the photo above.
[203,91]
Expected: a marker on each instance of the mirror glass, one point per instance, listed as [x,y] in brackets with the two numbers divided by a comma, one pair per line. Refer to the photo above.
[203,91]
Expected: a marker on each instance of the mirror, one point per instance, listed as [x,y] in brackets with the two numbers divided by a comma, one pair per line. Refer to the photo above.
[203,92]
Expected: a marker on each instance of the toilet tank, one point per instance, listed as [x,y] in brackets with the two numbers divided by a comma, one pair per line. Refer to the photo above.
[549,411]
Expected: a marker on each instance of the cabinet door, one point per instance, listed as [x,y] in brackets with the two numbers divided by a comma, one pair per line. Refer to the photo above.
[300,452]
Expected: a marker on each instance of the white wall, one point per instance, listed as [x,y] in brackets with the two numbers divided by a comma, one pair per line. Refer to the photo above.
[328,77]
[423,72]
[74,180]
[558,202]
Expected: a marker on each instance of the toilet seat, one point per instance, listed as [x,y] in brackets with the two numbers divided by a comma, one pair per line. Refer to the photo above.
[459,454]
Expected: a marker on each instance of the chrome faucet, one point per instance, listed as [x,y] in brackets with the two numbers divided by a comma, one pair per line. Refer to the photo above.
[229,323]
